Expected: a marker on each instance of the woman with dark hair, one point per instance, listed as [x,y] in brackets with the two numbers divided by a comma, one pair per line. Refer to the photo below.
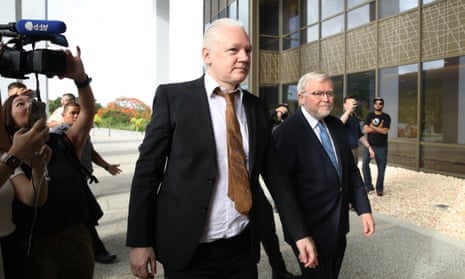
[61,246]
[24,146]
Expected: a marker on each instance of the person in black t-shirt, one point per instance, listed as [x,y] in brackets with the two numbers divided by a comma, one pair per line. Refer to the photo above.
[376,127]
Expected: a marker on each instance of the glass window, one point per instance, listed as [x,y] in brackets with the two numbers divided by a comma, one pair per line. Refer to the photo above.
[331,7]
[362,86]
[443,158]
[244,13]
[332,26]
[290,16]
[407,5]
[338,88]
[290,96]
[232,10]
[360,16]
[398,87]
[392,7]
[444,95]
[309,12]
[427,1]
[433,90]
[310,34]
[291,41]
[353,3]
[269,43]
[404,153]
[269,24]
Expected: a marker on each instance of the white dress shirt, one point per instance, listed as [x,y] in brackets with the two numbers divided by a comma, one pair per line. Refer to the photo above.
[223,220]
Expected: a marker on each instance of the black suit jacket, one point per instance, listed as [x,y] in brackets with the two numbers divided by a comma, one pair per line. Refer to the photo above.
[323,196]
[177,171]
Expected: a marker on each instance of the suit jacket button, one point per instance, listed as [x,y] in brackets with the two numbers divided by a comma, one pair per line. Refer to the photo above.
[204,209]
[340,189]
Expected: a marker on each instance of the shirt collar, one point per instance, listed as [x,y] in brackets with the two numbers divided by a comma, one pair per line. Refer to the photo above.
[211,85]
[310,119]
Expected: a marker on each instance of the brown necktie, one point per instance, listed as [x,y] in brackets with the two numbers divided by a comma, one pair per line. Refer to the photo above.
[238,177]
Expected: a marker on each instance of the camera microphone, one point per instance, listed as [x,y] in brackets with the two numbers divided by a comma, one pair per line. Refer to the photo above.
[40,27]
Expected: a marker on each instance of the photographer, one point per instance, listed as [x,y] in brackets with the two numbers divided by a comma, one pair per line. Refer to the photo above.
[353,127]
[281,112]
[61,246]
[26,146]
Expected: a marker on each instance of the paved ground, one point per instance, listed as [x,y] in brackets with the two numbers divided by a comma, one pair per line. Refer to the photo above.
[397,250]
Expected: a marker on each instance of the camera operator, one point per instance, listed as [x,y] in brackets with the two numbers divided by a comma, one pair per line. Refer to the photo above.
[61,246]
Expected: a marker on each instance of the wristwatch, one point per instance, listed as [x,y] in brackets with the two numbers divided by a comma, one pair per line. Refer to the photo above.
[10,160]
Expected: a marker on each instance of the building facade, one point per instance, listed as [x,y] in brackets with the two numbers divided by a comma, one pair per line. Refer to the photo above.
[409,52]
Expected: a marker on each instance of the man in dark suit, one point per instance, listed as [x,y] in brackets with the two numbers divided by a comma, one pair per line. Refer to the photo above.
[180,211]
[325,182]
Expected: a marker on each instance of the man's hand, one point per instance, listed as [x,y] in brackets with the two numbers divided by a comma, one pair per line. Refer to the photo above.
[307,252]
[113,169]
[143,263]
[372,152]
[368,224]
[353,106]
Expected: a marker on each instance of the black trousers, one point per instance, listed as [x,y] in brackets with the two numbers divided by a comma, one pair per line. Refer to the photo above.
[222,259]
[97,243]
[14,253]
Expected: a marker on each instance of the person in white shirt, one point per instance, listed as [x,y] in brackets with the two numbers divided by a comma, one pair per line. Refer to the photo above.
[56,118]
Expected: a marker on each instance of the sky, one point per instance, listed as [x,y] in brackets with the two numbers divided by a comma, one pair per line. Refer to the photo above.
[118,43]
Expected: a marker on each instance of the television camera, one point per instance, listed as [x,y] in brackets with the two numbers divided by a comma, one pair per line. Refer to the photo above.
[15,62]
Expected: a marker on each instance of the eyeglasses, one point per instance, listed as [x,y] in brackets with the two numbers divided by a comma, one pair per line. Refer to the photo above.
[320,94]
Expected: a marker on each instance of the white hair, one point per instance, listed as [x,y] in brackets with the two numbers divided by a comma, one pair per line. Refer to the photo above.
[312,76]
[210,36]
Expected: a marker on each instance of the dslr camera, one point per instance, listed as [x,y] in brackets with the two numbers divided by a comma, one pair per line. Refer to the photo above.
[16,62]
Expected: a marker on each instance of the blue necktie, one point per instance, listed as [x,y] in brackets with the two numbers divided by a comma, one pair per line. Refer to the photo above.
[326,142]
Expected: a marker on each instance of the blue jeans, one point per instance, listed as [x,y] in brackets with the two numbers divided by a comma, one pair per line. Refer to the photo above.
[381,161]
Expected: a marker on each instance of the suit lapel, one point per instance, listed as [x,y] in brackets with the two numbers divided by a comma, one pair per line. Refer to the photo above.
[199,98]
[308,129]
[251,114]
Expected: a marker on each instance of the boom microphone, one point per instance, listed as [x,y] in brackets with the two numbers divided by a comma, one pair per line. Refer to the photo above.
[40,27]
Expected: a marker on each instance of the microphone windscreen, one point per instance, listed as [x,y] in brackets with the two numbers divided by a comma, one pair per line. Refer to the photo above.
[40,27]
